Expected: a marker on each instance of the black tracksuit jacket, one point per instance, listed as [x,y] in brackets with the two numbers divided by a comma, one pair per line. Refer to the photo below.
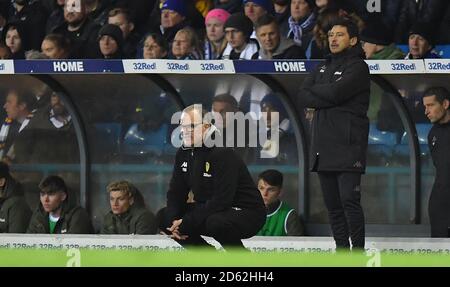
[219,180]
[339,90]
[438,209]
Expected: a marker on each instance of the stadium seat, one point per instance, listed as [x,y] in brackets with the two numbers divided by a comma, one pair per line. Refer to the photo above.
[151,142]
[422,134]
[443,51]
[404,48]
[381,142]
[107,137]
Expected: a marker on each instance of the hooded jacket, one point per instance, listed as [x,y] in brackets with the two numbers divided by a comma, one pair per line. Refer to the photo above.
[14,211]
[287,49]
[219,180]
[137,220]
[339,91]
[74,219]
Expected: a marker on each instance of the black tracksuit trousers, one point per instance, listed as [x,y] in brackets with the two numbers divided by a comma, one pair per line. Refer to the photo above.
[227,227]
[438,210]
[342,195]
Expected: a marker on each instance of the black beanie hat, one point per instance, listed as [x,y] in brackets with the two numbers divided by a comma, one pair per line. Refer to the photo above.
[423,29]
[113,31]
[376,32]
[240,22]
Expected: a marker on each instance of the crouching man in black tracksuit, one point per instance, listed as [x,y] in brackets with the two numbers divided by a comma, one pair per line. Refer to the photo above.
[227,205]
[339,91]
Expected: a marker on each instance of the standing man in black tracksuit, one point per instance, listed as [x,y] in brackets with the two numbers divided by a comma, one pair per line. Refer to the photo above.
[437,102]
[339,92]
[227,205]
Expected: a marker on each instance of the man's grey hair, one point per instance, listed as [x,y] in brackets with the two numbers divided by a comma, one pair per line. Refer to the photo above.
[35,55]
[198,108]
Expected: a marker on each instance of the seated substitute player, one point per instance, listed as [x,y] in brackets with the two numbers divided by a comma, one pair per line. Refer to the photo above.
[282,220]
[58,211]
[128,214]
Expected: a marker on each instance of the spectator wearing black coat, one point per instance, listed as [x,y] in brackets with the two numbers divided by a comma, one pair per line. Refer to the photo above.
[56,17]
[110,41]
[232,6]
[33,16]
[412,11]
[140,11]
[123,18]
[173,18]
[192,16]
[98,11]
[254,9]
[282,10]
[421,42]
[4,14]
[80,30]
[444,34]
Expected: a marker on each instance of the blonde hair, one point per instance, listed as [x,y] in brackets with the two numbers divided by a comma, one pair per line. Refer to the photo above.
[194,41]
[122,186]
[218,50]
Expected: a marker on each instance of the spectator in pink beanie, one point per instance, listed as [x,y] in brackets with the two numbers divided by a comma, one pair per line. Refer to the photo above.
[215,42]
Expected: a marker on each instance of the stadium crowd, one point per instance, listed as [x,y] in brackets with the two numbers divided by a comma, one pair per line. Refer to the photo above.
[214,29]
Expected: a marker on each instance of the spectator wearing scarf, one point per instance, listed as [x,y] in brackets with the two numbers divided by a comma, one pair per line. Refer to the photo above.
[301,23]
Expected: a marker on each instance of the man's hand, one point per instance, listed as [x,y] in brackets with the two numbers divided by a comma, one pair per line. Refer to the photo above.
[175,230]
[175,225]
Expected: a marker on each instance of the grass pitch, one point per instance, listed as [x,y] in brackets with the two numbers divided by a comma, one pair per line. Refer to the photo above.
[208,258]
